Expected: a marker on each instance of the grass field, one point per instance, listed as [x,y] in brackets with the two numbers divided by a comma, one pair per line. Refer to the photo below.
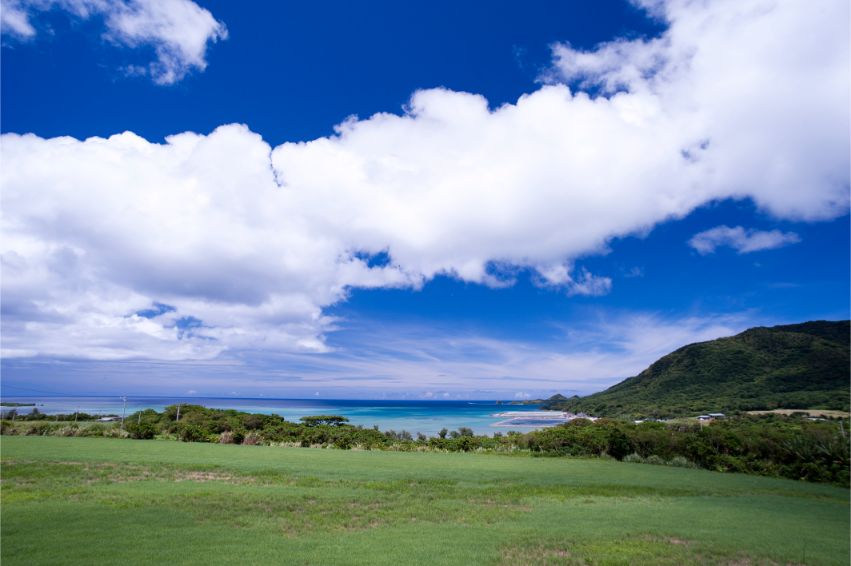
[104,501]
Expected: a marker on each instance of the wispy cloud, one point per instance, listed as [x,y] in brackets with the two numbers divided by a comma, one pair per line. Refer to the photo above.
[581,282]
[423,361]
[740,239]
[179,31]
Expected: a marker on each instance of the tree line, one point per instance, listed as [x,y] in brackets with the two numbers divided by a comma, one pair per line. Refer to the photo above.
[772,445]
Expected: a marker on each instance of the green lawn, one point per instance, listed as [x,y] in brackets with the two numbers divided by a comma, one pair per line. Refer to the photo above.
[104,501]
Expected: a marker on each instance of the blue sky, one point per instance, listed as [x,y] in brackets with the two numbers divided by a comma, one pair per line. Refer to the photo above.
[476,201]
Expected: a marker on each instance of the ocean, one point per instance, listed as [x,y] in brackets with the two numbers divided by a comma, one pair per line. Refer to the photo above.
[427,417]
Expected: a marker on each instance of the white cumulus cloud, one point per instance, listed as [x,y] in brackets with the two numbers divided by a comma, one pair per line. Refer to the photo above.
[742,240]
[756,90]
[178,30]
[248,243]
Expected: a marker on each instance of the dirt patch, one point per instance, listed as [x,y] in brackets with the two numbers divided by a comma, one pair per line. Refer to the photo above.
[196,476]
[826,413]
[753,562]
[667,540]
[90,473]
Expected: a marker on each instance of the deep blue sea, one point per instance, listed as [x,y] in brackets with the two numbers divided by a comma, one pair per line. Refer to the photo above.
[427,417]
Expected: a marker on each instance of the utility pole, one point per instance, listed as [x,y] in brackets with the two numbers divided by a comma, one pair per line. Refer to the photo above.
[77,410]
[178,413]
[124,410]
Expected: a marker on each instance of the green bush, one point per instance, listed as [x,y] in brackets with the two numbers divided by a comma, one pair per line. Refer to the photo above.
[633,458]
[620,444]
[190,433]
[69,430]
[41,429]
[330,420]
[791,447]
[92,430]
[141,430]
[681,462]
[655,460]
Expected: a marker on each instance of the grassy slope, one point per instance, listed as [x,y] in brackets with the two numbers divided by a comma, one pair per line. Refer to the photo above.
[79,500]
[794,366]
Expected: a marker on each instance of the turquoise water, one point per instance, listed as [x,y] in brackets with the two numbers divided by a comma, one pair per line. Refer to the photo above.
[427,417]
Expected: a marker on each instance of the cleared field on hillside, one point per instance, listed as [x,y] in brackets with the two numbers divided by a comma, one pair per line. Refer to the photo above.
[104,501]
[811,412]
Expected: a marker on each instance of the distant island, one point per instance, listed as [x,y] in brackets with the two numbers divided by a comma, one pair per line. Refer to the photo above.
[13,404]
[798,366]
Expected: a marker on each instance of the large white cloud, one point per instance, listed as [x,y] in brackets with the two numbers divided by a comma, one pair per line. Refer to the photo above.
[736,99]
[178,30]
[760,86]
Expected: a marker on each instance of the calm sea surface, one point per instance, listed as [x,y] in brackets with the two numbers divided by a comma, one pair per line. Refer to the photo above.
[428,417]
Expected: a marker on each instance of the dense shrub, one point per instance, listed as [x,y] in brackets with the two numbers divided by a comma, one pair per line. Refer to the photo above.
[792,447]
[619,444]
[41,429]
[141,430]
[93,430]
[190,433]
[654,460]
[681,462]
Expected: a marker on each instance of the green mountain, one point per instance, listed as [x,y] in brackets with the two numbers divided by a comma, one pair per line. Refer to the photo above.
[798,366]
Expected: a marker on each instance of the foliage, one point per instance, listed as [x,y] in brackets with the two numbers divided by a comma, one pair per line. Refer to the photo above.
[141,430]
[774,445]
[331,420]
[36,415]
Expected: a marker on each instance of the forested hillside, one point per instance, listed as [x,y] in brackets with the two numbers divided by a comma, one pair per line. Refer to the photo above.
[794,366]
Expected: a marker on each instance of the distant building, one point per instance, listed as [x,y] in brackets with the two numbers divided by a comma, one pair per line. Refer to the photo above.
[704,418]
[717,415]
[108,419]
